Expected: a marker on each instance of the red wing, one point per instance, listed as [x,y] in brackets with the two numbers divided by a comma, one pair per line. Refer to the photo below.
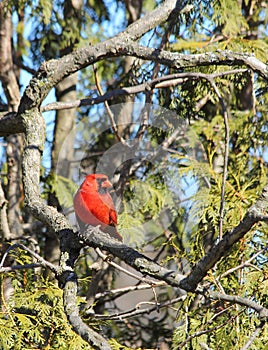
[95,208]
[86,210]
[96,211]
[113,217]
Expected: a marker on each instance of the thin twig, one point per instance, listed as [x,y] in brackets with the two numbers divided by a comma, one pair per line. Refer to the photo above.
[254,336]
[43,262]
[4,226]
[137,311]
[157,83]
[120,268]
[226,155]
[124,290]
[19,267]
[245,264]
[206,331]
[108,109]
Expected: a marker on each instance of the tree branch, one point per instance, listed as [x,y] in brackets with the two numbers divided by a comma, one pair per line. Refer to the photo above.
[30,121]
[111,263]
[34,143]
[95,238]
[137,311]
[206,331]
[255,214]
[244,264]
[4,226]
[7,269]
[72,311]
[108,109]
[10,123]
[157,83]
[254,335]
[262,311]
[7,75]
[150,20]
[225,157]
[178,61]
[39,258]
[124,290]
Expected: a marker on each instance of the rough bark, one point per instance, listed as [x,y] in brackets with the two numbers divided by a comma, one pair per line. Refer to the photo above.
[256,213]
[14,142]
[14,188]
[7,75]
[65,119]
[31,121]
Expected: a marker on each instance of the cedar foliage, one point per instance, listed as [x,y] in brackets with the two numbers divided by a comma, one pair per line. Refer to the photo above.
[33,316]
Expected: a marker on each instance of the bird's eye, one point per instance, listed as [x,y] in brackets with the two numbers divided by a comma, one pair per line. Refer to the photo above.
[101,180]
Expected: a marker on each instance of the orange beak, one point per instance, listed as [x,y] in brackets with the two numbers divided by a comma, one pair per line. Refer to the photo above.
[106,184]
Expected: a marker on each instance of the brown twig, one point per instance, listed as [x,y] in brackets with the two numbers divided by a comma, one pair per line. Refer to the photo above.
[42,261]
[254,335]
[120,268]
[206,331]
[157,83]
[137,311]
[226,155]
[4,226]
[108,109]
[124,290]
[244,264]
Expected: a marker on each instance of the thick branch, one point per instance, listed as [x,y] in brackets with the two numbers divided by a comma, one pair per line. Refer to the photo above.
[157,83]
[34,142]
[72,311]
[55,70]
[152,19]
[97,239]
[41,84]
[10,124]
[256,213]
[178,61]
[52,72]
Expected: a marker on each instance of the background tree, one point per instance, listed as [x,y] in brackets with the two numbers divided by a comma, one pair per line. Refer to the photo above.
[170,100]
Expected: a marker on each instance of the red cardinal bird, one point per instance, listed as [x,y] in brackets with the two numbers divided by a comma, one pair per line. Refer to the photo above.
[93,205]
